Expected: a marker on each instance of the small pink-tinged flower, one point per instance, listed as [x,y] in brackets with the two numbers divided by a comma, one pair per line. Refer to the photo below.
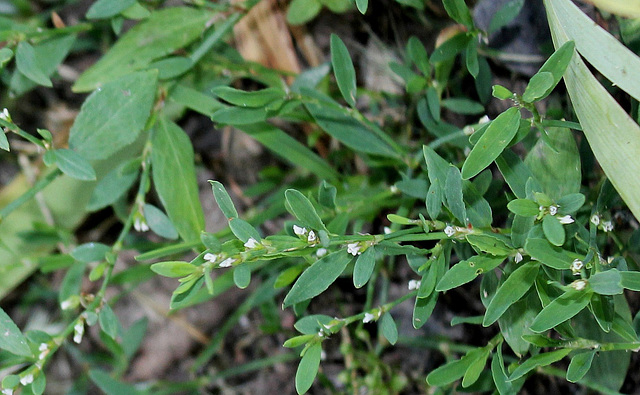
[311,238]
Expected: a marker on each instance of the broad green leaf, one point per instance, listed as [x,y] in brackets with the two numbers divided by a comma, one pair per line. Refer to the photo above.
[90,252]
[489,243]
[12,339]
[297,341]
[73,164]
[524,207]
[454,370]
[318,277]
[556,168]
[435,196]
[343,69]
[308,368]
[492,143]
[224,200]
[171,67]
[302,11]
[500,92]
[556,65]
[607,283]
[418,55]
[580,365]
[478,209]
[113,186]
[362,6]
[569,204]
[520,228]
[388,328]
[337,6]
[173,268]
[538,86]
[311,324]
[422,309]
[113,116]
[242,276]
[174,178]
[561,309]
[109,321]
[259,98]
[553,230]
[29,66]
[630,280]
[159,223]
[111,386]
[472,373]
[162,34]
[453,194]
[543,359]
[303,210]
[548,255]
[505,14]
[459,12]
[613,136]
[103,9]
[243,230]
[465,271]
[514,288]
[363,268]
[463,106]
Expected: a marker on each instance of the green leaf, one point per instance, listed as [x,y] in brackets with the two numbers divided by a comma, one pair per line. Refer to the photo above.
[6,54]
[471,57]
[422,309]
[39,384]
[343,69]
[459,12]
[174,178]
[524,207]
[489,243]
[242,276]
[453,194]
[308,368]
[514,288]
[418,55]
[29,66]
[630,280]
[109,321]
[548,255]
[557,167]
[111,118]
[297,341]
[243,230]
[4,143]
[159,223]
[580,365]
[173,268]
[90,252]
[362,6]
[171,67]
[433,103]
[492,143]
[543,359]
[317,278]
[12,339]
[388,328]
[111,386]
[311,324]
[505,14]
[463,106]
[165,32]
[515,172]
[435,196]
[569,204]
[303,210]
[113,186]
[607,283]
[363,268]
[259,98]
[454,370]
[302,11]
[538,86]
[103,9]
[73,164]
[561,309]
[472,373]
[500,377]
[224,200]
[553,230]
[500,92]
[450,48]
[465,271]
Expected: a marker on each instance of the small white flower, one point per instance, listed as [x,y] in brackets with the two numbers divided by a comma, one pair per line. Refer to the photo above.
[354,249]
[43,347]
[595,219]
[368,317]
[607,226]
[610,260]
[449,231]
[311,238]
[28,379]
[321,333]
[386,230]
[251,243]
[140,225]
[321,252]
[553,210]
[4,115]
[323,355]
[210,257]
[78,331]
[227,262]
[413,284]
[579,285]
[518,257]
[394,189]
[44,350]
[7,391]
[576,266]
[299,230]
[565,220]
[66,304]
[483,120]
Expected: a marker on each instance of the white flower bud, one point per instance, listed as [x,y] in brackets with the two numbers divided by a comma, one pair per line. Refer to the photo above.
[4,115]
[595,219]
[311,238]
[354,249]
[518,257]
[449,231]
[368,317]
[413,284]
[299,231]
[553,210]
[7,391]
[78,332]
[227,262]
[210,257]
[565,220]
[607,226]
[576,266]
[321,252]
[579,285]
[251,243]
[28,379]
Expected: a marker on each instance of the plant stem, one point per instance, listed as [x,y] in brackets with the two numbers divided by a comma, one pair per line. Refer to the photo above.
[28,195]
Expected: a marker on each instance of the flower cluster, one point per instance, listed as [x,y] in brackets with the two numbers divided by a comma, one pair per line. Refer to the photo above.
[576,267]
[553,210]
[223,262]
[372,316]
[310,235]
[606,226]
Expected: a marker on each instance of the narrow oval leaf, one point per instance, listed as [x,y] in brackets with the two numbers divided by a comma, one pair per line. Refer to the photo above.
[302,11]
[569,204]
[524,207]
[561,309]
[539,85]
[109,321]
[174,177]
[224,200]
[317,278]
[453,370]
[173,268]
[303,210]
[494,140]
[159,223]
[102,9]
[242,276]
[113,186]
[363,268]
[112,117]
[11,339]
[580,365]
[553,230]
[490,244]
[308,368]
[465,271]
[90,252]
[543,359]
[243,230]
[505,14]
[607,283]
[549,255]
[74,165]
[514,288]
[343,69]
[474,370]
[28,65]
[259,98]
[453,194]
[388,328]
[111,386]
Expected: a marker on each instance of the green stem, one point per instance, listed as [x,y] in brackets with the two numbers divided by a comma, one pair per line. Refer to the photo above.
[28,195]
